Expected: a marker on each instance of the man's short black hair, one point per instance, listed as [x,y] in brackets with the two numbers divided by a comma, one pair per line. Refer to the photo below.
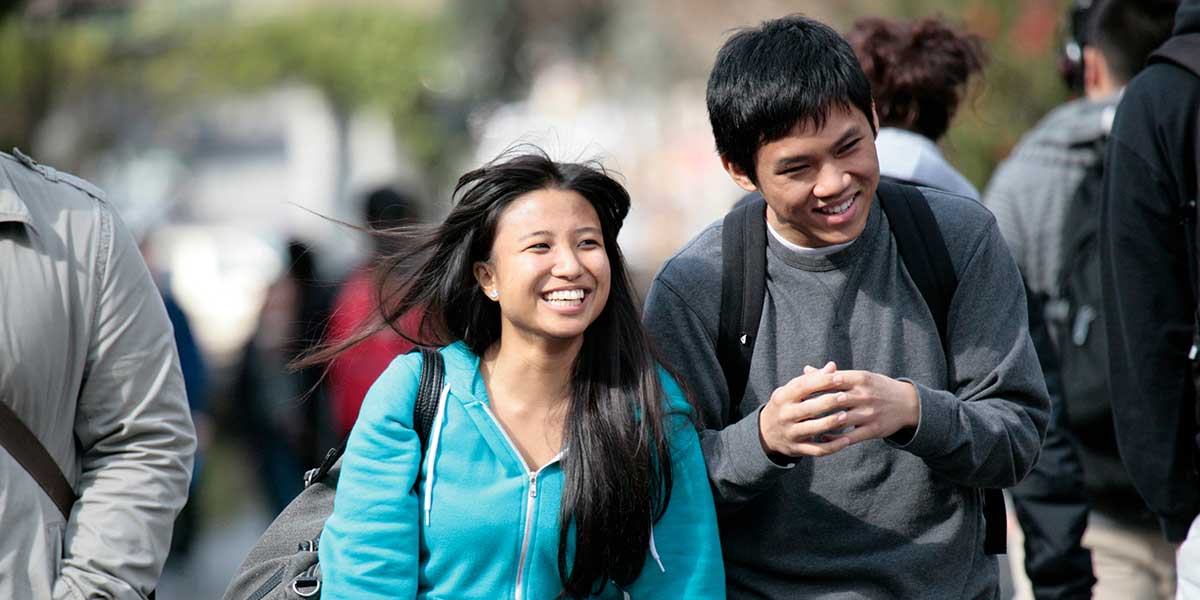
[786,72]
[1127,31]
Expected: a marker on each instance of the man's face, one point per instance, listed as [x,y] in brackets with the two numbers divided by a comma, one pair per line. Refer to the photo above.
[818,183]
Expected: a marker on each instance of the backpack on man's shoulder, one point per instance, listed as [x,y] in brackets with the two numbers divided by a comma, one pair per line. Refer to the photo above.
[283,564]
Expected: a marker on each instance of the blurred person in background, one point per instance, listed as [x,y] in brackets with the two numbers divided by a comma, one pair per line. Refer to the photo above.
[1044,195]
[919,71]
[282,409]
[352,372]
[195,381]
[1149,234]
[97,438]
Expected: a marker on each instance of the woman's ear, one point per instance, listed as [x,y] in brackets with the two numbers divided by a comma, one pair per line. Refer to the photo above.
[486,278]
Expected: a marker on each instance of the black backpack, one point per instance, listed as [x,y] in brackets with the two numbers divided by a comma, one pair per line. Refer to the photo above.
[283,564]
[743,289]
[1082,343]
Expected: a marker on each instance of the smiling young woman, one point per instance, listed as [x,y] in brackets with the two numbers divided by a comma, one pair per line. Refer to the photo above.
[564,461]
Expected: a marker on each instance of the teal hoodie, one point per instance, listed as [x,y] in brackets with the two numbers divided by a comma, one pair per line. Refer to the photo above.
[470,520]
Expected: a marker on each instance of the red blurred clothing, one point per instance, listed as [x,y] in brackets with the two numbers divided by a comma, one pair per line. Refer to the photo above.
[353,371]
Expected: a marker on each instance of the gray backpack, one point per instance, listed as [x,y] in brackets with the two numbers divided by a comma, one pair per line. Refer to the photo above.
[283,564]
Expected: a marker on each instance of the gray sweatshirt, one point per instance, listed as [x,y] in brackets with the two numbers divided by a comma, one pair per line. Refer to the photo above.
[876,520]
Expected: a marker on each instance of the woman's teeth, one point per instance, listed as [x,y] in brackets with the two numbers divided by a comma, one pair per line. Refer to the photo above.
[565,297]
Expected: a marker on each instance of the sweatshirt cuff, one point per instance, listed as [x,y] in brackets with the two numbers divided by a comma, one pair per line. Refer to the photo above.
[936,420]
[746,453]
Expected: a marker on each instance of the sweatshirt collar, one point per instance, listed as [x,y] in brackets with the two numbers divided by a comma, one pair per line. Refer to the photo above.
[836,260]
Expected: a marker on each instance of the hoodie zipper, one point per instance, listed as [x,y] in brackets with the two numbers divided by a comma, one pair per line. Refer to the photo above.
[530,500]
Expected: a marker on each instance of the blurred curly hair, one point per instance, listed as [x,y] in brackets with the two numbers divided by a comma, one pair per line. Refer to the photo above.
[918,70]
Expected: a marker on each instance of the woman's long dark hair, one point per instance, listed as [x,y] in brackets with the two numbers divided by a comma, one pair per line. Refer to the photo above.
[618,468]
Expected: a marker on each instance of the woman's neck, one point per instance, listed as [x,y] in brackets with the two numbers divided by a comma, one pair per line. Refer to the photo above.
[533,374]
[529,390]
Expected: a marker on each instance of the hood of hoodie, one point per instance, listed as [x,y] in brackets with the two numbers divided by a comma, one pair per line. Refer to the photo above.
[1187,17]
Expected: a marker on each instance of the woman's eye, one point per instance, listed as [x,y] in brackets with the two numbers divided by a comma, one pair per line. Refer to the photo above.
[539,246]
[590,243]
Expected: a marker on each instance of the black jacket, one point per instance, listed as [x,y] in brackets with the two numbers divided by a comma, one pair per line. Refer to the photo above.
[1150,175]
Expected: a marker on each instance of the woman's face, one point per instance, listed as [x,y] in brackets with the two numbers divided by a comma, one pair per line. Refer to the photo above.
[548,269]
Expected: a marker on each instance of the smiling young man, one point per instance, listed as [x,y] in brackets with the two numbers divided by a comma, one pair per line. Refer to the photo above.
[889,506]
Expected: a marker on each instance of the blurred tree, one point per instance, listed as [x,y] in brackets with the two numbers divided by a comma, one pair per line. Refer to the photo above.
[124,63]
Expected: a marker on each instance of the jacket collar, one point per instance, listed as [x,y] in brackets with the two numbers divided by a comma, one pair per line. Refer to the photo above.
[12,207]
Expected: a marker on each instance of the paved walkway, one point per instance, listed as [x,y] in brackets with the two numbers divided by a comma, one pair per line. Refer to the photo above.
[214,560]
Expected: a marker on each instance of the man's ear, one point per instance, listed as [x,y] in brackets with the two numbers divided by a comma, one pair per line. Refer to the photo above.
[1098,80]
[875,118]
[739,176]
[486,277]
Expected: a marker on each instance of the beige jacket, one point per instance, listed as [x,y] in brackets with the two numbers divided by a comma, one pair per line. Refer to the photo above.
[88,361]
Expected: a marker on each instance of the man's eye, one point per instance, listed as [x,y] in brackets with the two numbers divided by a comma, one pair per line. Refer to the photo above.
[848,147]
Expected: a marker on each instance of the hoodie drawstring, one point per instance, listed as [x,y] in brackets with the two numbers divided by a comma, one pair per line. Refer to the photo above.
[654,552]
[439,421]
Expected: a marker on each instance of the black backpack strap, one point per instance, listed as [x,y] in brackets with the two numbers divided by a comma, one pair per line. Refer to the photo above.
[743,287]
[429,392]
[433,375]
[923,249]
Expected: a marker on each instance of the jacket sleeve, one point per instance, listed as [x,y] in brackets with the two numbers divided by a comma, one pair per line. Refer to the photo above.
[369,548]
[738,466]
[1050,503]
[685,555]
[987,432]
[1148,313]
[134,430]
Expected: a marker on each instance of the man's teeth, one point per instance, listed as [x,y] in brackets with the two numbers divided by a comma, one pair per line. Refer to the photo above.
[565,297]
[839,209]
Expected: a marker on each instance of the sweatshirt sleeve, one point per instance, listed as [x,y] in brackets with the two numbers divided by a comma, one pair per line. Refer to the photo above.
[134,431]
[1148,310]
[685,554]
[988,432]
[738,466]
[369,548]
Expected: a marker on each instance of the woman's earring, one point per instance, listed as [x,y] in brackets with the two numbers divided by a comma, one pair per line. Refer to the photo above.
[493,294]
